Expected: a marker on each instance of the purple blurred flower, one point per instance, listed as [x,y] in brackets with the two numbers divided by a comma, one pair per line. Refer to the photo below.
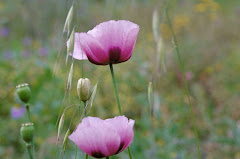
[17,112]
[4,32]
[27,41]
[26,53]
[189,76]
[43,51]
[7,54]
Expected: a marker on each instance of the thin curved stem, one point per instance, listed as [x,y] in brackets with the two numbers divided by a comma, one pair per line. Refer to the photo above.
[184,79]
[115,88]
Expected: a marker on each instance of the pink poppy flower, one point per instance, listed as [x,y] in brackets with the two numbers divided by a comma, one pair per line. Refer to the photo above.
[109,42]
[102,138]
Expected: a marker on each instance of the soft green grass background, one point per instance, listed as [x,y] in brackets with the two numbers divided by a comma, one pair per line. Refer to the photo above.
[209,40]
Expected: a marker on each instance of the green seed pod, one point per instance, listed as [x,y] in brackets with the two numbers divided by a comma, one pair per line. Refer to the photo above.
[27,131]
[24,92]
[84,89]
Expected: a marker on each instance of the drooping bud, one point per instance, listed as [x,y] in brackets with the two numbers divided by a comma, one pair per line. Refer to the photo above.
[60,125]
[70,77]
[155,25]
[68,21]
[70,47]
[27,132]
[84,89]
[24,92]
[71,42]
[66,139]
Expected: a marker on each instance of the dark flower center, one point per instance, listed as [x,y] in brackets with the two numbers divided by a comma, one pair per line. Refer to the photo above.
[114,54]
[97,154]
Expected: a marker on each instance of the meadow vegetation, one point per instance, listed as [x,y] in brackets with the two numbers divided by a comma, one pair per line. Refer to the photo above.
[209,41]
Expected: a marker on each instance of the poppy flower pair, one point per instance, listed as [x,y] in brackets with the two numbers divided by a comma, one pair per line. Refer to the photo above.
[110,42]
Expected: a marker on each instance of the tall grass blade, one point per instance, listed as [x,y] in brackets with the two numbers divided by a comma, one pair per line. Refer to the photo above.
[184,78]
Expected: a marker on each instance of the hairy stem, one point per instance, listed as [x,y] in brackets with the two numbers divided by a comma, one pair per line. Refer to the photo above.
[184,79]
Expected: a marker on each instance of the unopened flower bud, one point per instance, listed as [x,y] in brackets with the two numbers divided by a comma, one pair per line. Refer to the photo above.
[24,92]
[27,131]
[84,89]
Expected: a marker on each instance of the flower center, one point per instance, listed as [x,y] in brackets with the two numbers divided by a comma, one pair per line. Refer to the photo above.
[97,154]
[114,54]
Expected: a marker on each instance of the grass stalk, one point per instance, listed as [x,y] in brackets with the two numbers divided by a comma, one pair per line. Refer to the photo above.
[184,79]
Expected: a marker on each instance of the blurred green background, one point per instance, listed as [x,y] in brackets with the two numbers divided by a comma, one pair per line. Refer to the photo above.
[209,40]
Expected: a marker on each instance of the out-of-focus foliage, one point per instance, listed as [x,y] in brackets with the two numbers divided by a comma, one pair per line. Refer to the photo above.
[209,40]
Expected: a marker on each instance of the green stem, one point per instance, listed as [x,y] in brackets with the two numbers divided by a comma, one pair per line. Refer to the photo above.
[29,119]
[33,147]
[76,152]
[184,79]
[84,108]
[28,112]
[107,157]
[29,151]
[118,101]
[129,153]
[85,114]
[115,88]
